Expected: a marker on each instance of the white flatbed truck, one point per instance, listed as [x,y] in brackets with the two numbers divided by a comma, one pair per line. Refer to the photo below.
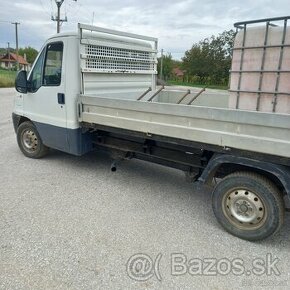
[96,90]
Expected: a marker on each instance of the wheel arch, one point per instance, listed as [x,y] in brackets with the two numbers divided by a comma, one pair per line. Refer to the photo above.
[23,119]
[18,120]
[228,164]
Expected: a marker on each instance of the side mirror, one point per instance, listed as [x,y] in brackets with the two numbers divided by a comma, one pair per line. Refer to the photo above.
[21,82]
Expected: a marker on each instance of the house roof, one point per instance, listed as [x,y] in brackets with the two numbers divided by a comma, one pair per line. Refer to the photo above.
[12,57]
[178,72]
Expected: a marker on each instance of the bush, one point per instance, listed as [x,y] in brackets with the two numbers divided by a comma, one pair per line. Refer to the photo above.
[7,78]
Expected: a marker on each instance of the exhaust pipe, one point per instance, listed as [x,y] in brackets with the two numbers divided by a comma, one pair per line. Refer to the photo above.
[114,166]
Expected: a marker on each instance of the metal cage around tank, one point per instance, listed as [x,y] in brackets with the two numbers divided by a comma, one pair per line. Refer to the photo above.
[262,71]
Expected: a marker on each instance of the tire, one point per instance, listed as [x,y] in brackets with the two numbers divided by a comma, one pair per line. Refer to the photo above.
[29,141]
[248,206]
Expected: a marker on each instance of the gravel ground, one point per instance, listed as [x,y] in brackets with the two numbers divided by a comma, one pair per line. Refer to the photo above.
[69,223]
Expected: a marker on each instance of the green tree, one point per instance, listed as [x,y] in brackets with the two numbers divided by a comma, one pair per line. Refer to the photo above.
[4,50]
[30,52]
[209,60]
[167,66]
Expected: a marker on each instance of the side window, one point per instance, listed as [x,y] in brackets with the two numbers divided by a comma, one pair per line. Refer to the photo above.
[35,78]
[53,64]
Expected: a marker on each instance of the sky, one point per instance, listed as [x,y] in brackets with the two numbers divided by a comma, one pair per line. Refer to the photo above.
[177,24]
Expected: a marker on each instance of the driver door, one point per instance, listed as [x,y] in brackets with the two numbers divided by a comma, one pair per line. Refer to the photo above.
[44,104]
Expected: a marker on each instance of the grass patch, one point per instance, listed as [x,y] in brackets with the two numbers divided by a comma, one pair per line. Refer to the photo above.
[180,83]
[7,78]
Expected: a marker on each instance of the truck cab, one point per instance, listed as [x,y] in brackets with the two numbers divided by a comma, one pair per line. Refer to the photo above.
[52,88]
[94,61]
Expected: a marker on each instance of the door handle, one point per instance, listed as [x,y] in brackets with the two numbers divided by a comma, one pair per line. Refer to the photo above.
[61,98]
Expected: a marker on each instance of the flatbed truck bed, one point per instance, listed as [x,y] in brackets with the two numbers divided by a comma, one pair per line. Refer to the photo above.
[261,132]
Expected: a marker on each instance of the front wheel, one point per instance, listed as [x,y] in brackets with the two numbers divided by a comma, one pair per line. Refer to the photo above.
[248,205]
[29,141]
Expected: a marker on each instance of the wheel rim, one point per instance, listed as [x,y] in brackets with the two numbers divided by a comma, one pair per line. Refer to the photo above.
[29,140]
[245,209]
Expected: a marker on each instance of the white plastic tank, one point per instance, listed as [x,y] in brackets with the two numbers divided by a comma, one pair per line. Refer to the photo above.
[258,76]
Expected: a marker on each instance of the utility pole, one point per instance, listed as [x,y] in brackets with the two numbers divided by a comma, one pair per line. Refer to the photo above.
[57,18]
[16,34]
[8,52]
[161,65]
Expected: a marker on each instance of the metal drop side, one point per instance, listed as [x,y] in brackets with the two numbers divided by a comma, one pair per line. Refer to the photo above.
[119,91]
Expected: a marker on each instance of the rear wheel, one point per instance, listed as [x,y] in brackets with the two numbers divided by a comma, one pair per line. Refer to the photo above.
[29,141]
[248,205]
